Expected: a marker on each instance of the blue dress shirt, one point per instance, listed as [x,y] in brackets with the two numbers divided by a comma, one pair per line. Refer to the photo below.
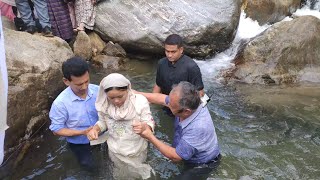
[195,137]
[72,112]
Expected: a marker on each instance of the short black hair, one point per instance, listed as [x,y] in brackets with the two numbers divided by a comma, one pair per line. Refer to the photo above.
[174,39]
[116,88]
[75,66]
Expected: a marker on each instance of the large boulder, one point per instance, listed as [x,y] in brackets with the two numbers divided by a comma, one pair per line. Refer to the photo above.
[35,79]
[288,52]
[206,26]
[270,11]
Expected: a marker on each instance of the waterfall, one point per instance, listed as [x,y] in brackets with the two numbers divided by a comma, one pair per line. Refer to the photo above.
[312,7]
[247,29]
[313,4]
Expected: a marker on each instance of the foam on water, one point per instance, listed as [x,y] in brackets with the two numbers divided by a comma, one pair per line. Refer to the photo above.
[306,11]
[247,29]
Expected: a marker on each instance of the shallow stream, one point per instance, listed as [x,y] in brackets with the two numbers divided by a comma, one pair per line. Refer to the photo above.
[265,132]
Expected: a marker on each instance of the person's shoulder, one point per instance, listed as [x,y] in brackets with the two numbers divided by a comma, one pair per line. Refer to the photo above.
[162,61]
[94,87]
[63,97]
[189,63]
[186,57]
[204,117]
[141,98]
[65,93]
[141,102]
[189,60]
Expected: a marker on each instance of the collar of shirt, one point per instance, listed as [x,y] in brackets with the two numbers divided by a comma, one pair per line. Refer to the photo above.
[75,97]
[188,120]
[177,62]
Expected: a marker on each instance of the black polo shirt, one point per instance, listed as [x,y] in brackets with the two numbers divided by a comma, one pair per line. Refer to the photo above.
[185,69]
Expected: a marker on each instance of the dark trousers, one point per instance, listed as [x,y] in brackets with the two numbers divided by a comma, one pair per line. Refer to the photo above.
[199,171]
[83,152]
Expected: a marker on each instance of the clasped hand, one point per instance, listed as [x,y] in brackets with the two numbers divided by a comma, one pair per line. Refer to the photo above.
[141,128]
[93,134]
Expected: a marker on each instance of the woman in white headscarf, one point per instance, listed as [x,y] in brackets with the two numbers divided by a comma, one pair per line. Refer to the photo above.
[118,109]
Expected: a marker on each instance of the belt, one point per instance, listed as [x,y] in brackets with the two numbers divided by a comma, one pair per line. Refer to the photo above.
[212,163]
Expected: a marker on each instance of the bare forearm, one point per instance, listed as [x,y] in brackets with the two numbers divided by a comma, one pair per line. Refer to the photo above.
[156,89]
[165,149]
[69,132]
[155,98]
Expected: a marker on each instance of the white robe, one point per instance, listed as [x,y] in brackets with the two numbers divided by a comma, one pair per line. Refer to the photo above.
[3,92]
[127,150]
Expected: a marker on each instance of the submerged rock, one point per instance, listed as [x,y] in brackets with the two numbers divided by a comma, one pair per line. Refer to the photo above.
[109,62]
[206,26]
[35,79]
[288,52]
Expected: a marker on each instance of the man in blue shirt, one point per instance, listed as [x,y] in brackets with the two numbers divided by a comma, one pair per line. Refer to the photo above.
[73,112]
[195,140]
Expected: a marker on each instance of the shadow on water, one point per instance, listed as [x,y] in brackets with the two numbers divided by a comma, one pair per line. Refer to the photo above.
[265,132]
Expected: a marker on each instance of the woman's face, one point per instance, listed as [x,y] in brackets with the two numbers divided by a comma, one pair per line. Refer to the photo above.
[117,97]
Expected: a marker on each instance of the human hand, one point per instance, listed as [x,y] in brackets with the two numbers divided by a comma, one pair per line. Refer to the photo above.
[85,132]
[141,128]
[138,126]
[93,134]
[146,133]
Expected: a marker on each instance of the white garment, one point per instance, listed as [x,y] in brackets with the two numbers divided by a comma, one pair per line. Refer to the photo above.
[128,150]
[2,135]
[10,2]
[3,91]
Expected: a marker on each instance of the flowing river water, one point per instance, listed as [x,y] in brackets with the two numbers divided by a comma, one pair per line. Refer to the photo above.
[264,132]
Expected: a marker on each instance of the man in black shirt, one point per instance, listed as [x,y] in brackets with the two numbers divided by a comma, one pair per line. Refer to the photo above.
[176,67]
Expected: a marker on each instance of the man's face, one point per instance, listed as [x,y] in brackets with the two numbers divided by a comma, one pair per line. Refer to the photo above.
[173,52]
[79,85]
[174,104]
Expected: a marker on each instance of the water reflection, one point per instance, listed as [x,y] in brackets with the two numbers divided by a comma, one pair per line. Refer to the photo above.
[265,132]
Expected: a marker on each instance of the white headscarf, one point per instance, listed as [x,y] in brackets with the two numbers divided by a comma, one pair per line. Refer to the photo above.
[127,110]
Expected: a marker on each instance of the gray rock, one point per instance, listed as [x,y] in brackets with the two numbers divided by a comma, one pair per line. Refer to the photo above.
[270,11]
[82,46]
[35,79]
[288,52]
[97,43]
[112,49]
[141,26]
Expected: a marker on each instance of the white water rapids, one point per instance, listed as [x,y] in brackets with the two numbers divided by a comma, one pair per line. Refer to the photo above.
[247,29]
